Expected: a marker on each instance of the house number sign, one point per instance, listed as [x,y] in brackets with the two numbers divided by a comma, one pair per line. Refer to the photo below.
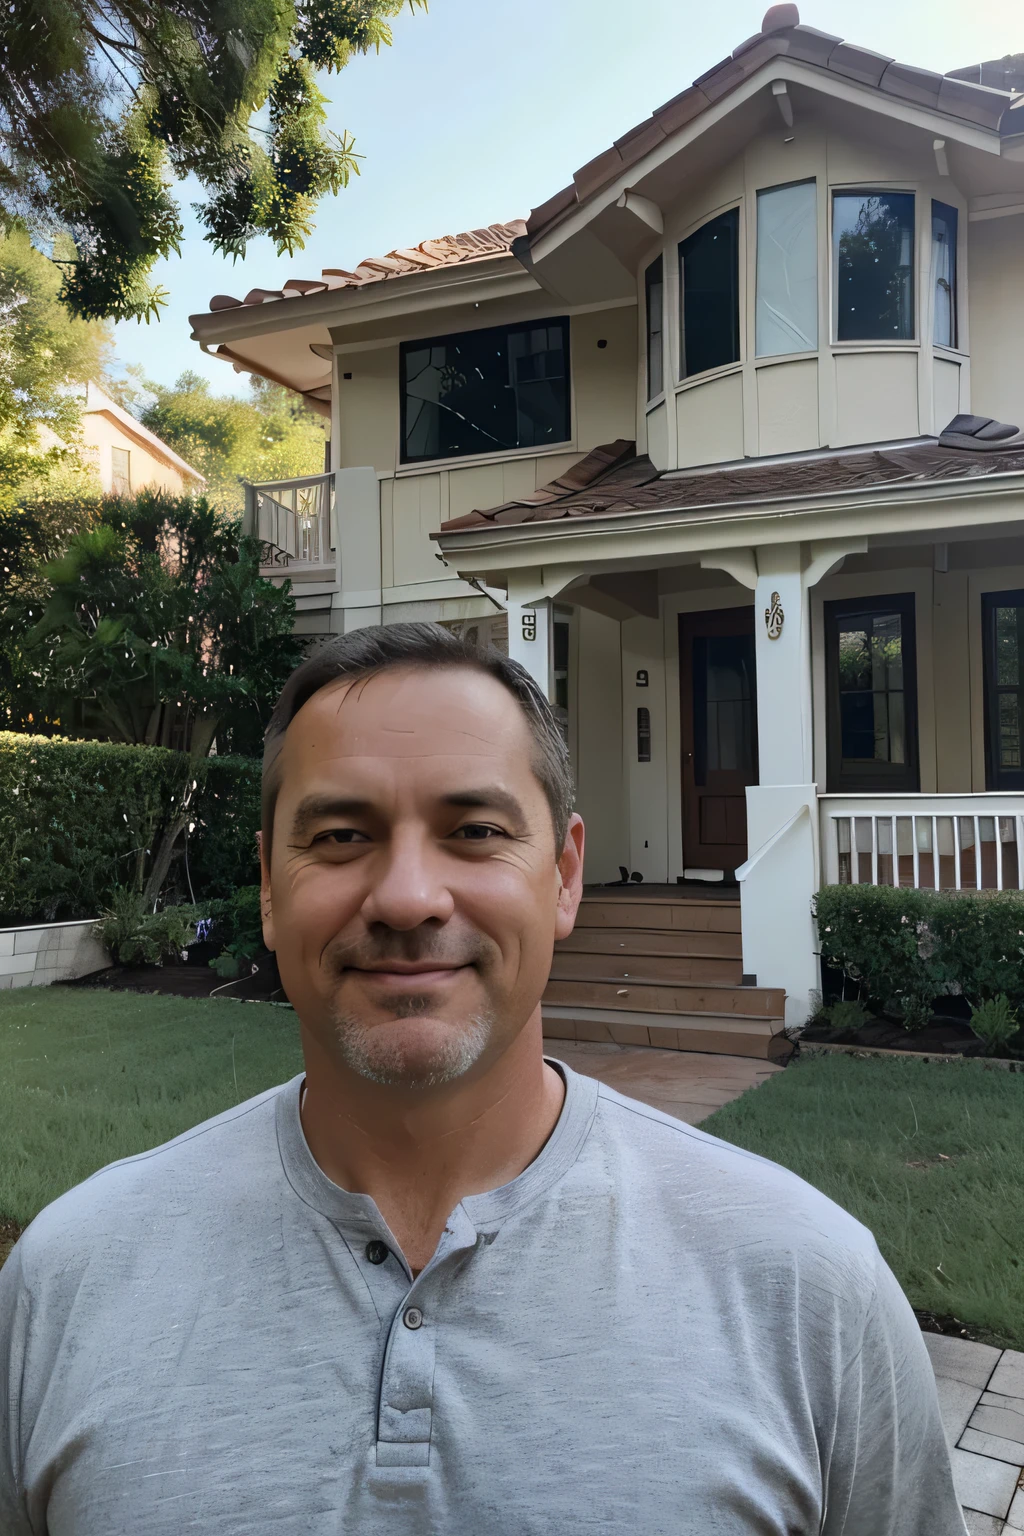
[529,626]
[774,618]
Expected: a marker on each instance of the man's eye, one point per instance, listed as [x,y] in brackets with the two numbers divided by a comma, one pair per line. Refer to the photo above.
[341,835]
[477,831]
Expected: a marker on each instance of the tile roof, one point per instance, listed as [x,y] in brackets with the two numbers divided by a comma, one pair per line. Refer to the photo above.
[447,251]
[614,481]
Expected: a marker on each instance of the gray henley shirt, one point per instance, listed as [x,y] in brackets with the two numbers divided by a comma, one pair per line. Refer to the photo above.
[648,1331]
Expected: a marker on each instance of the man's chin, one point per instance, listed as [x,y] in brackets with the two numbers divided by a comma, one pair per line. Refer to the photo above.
[421,1051]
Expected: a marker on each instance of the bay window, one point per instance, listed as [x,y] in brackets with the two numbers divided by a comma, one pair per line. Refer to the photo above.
[873,258]
[709,276]
[787,270]
[944,223]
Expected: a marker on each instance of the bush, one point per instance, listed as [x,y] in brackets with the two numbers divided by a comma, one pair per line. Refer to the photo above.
[78,820]
[995,1022]
[905,948]
[238,925]
[137,937]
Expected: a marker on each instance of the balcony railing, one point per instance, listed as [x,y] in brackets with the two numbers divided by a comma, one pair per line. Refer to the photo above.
[928,842]
[294,519]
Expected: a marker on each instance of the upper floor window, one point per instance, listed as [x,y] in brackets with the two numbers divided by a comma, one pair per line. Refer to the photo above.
[787,269]
[486,391]
[873,256]
[944,222]
[120,477]
[654,288]
[709,276]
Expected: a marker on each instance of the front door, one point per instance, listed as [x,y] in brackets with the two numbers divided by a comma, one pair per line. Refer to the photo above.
[718,729]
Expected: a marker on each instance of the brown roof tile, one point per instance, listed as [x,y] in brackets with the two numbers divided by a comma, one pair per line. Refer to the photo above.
[858,64]
[614,481]
[921,86]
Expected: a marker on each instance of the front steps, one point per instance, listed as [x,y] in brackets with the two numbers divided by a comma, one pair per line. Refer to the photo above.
[645,969]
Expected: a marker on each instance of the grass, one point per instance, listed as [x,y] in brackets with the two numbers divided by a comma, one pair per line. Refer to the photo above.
[87,1077]
[929,1156]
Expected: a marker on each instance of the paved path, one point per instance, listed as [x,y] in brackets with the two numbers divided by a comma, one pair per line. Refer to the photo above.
[981,1389]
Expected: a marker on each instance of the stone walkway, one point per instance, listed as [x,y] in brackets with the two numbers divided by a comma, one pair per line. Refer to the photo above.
[981,1389]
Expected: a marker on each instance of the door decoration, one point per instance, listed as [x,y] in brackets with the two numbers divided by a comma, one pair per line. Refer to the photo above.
[774,618]
[529,625]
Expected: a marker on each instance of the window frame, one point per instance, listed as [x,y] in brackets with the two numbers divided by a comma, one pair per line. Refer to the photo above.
[655,387]
[874,189]
[954,345]
[782,186]
[996,778]
[868,777]
[734,212]
[121,485]
[513,327]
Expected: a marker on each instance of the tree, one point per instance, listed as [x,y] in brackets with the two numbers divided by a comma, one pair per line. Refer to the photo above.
[270,436]
[156,628]
[102,102]
[43,353]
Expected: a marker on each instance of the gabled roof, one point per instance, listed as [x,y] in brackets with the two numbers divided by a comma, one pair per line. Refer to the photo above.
[781,36]
[446,251]
[99,403]
[614,481]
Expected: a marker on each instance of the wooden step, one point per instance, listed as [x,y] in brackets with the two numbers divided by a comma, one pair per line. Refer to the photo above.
[705,1032]
[634,968]
[642,941]
[659,914]
[668,997]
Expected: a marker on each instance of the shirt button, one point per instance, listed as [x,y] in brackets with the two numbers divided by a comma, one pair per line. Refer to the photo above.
[413,1318]
[377,1251]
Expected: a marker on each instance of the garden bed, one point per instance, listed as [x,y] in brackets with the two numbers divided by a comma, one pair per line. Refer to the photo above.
[941,1036]
[193,978]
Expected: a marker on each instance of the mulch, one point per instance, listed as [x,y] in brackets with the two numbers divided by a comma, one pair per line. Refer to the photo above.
[259,983]
[940,1037]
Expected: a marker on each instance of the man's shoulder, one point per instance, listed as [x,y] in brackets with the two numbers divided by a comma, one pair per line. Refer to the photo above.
[209,1162]
[722,1184]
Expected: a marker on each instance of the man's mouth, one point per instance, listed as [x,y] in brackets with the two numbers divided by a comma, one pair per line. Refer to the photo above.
[399,973]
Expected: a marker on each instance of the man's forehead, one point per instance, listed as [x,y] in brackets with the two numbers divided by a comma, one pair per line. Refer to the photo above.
[455,711]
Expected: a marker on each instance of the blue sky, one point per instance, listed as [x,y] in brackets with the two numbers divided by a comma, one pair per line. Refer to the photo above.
[483,108]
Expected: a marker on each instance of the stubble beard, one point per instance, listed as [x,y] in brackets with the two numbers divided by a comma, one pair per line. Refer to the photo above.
[367,1050]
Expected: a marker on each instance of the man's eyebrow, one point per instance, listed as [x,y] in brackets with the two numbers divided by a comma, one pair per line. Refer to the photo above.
[490,798]
[315,807]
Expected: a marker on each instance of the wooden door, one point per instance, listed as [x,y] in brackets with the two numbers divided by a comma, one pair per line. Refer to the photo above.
[718,730]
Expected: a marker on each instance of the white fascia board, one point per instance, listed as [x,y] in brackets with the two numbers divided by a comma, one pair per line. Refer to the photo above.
[794,71]
[938,506]
[439,288]
[99,404]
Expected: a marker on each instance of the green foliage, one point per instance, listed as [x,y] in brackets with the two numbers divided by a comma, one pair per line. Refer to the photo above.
[78,820]
[137,937]
[42,350]
[271,436]
[102,106]
[995,1022]
[905,948]
[845,1015]
[238,924]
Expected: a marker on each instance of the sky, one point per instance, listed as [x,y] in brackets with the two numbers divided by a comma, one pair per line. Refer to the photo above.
[484,108]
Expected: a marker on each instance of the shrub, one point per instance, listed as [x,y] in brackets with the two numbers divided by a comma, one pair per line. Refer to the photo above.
[905,948]
[995,1022]
[78,820]
[238,924]
[845,1015]
[137,937]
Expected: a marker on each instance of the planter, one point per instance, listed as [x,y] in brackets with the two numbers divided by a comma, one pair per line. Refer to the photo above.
[40,953]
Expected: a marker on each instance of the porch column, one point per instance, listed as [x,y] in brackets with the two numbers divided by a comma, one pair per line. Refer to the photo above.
[783,652]
[531,635]
[357,598]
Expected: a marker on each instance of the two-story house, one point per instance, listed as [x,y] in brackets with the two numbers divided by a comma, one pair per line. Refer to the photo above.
[680,442]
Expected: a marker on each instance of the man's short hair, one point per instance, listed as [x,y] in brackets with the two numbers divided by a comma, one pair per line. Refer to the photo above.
[381,647]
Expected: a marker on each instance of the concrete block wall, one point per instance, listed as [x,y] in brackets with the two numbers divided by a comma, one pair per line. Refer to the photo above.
[36,956]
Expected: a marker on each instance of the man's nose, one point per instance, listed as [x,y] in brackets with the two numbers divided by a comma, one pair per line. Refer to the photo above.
[410,883]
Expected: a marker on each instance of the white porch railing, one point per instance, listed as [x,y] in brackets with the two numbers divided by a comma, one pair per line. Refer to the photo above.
[294,519]
[928,842]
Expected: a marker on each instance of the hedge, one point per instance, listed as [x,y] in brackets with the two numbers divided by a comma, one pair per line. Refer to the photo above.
[904,948]
[77,819]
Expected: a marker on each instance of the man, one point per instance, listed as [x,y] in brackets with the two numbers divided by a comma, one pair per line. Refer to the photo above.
[439,1283]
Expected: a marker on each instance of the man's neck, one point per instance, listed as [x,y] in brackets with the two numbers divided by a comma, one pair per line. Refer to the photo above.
[417,1153]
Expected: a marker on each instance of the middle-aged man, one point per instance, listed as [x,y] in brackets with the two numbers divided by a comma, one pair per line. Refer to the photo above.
[437,1284]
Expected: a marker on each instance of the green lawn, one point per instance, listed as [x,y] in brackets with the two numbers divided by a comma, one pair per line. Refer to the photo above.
[87,1077]
[929,1156]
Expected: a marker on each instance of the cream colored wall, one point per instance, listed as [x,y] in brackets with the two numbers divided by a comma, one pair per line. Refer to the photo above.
[997,317]
[596,728]
[842,393]
[100,436]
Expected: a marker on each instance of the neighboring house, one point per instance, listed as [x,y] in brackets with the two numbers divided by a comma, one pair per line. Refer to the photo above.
[128,455]
[675,440]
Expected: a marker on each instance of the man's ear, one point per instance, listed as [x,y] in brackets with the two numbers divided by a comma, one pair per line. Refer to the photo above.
[266,907]
[570,869]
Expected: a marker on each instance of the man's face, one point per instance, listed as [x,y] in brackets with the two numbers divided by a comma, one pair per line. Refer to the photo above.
[413,886]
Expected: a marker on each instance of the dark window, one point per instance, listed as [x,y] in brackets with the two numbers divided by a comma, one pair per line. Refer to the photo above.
[654,285]
[709,275]
[871,663]
[486,391]
[1002,617]
[873,252]
[724,706]
[944,223]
